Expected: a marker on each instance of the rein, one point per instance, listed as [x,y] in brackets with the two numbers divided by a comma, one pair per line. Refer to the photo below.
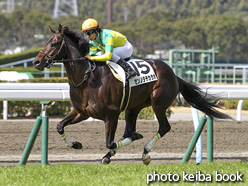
[51,60]
[87,74]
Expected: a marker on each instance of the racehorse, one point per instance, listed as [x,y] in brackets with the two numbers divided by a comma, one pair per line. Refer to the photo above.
[96,93]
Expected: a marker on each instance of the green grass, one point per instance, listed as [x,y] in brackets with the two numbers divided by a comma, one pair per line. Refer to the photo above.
[115,174]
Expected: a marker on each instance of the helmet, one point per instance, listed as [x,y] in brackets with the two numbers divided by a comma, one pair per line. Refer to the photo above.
[90,24]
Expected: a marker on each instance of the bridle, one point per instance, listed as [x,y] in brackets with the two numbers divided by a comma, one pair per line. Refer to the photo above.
[51,60]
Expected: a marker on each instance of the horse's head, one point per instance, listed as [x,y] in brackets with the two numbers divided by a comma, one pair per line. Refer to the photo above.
[51,50]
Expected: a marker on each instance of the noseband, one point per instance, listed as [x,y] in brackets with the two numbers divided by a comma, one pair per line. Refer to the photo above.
[50,59]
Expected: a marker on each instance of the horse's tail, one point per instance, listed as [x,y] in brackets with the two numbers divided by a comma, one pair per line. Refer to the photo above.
[200,100]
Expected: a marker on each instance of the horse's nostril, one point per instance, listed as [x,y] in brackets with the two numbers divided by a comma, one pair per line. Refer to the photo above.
[36,62]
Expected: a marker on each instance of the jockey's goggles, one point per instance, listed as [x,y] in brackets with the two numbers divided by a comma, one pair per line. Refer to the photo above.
[90,32]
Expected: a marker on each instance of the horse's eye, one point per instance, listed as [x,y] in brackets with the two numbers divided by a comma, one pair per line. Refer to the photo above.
[53,44]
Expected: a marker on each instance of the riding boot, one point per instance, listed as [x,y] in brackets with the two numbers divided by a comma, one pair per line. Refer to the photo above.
[127,68]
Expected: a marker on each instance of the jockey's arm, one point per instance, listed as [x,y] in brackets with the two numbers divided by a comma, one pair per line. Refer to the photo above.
[93,50]
[105,57]
[108,51]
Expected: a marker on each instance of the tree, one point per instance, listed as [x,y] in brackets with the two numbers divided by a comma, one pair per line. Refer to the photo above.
[5,38]
[151,29]
[227,32]
[35,22]
[15,28]
[74,22]
[191,32]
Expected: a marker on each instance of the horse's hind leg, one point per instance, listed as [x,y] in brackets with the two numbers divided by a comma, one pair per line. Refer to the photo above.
[159,107]
[71,118]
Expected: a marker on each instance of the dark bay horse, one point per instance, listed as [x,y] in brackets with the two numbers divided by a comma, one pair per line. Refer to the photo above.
[96,93]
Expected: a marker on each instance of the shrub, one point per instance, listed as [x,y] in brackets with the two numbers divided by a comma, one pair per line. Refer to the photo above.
[44,80]
[32,109]
[146,114]
[232,104]
[4,59]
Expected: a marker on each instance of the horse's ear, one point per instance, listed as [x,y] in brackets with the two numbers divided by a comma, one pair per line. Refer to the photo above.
[60,29]
[51,30]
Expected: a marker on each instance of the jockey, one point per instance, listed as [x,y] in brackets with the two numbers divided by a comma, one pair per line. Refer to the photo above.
[114,44]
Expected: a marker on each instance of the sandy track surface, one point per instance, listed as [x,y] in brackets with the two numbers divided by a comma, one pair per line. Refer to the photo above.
[230,142]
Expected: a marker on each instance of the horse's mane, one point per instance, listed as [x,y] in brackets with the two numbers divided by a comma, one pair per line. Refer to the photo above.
[78,38]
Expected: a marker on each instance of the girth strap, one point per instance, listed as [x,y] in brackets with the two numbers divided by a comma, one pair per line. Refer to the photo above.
[126,93]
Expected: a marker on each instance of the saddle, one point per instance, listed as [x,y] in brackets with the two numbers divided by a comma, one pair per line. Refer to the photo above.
[145,74]
[119,74]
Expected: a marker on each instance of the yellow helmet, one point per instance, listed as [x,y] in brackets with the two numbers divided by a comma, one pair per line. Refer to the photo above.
[90,24]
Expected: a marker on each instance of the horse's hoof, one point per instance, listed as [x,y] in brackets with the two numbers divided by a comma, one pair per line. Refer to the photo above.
[136,136]
[77,145]
[105,161]
[146,159]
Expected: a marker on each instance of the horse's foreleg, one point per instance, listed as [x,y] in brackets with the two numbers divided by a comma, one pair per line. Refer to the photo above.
[122,142]
[67,119]
[110,128]
[131,118]
[71,118]
[130,133]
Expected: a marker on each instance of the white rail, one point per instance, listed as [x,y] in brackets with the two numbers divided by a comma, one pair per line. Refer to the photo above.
[239,92]
[60,92]
[34,92]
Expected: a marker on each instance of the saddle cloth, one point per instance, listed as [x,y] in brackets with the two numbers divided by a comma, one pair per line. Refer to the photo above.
[145,74]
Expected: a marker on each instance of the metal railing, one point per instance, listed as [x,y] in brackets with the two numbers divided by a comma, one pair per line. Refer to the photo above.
[60,92]
[47,73]
[195,72]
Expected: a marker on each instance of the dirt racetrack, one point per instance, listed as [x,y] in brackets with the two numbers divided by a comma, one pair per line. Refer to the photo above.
[230,142]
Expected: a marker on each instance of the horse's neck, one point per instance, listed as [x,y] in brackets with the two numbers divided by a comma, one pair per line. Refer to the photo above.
[75,69]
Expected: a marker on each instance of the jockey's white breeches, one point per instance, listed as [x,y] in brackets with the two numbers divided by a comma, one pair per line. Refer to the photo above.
[121,52]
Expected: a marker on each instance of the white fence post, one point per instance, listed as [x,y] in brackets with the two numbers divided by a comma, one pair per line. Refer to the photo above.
[199,141]
[239,110]
[5,110]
